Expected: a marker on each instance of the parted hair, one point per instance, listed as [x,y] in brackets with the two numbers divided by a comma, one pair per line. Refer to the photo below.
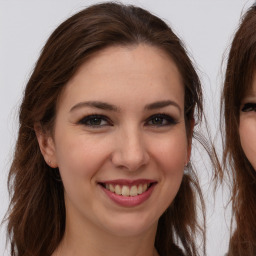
[36,216]
[241,67]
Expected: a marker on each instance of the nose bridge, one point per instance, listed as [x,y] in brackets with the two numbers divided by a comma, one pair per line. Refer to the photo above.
[131,152]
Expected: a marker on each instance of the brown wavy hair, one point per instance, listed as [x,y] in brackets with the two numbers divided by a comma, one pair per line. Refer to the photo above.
[36,217]
[241,67]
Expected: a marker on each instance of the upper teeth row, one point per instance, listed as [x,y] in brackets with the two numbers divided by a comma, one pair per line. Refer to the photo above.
[126,190]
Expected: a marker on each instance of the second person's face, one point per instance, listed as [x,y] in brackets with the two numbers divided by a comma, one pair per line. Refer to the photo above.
[120,140]
[247,126]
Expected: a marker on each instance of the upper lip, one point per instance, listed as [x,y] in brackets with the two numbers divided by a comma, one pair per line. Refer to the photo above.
[128,182]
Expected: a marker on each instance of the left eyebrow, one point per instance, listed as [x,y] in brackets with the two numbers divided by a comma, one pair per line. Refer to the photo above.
[162,104]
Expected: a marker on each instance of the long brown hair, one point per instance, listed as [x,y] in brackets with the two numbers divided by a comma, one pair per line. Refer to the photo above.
[36,221]
[238,79]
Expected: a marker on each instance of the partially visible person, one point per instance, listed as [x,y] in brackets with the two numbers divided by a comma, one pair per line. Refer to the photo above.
[106,127]
[239,105]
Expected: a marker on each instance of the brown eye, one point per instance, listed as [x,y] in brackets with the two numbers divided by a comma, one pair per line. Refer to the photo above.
[160,120]
[95,121]
[249,107]
[157,121]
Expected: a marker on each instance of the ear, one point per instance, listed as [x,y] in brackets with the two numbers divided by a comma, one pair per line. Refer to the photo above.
[190,134]
[46,144]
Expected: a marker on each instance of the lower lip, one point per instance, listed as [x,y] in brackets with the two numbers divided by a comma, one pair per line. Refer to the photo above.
[129,201]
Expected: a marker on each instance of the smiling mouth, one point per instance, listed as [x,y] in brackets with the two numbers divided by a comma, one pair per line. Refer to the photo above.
[127,191]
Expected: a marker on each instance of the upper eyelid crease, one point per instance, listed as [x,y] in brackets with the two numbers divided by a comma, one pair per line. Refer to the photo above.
[249,98]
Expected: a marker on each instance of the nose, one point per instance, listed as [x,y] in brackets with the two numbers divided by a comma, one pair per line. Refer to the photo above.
[130,152]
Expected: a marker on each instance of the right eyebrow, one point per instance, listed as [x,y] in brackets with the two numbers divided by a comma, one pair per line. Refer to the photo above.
[95,104]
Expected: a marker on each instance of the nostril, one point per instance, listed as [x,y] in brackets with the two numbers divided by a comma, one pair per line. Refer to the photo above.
[130,152]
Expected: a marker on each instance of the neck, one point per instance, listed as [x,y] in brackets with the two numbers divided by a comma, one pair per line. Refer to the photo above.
[84,239]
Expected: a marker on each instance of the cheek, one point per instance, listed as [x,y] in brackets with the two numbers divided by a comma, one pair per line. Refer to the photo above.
[173,150]
[247,131]
[173,162]
[170,155]
[80,157]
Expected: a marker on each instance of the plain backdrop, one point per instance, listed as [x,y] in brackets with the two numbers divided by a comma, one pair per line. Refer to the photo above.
[206,27]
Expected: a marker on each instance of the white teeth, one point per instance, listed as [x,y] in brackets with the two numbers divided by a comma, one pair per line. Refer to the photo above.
[118,190]
[126,190]
[133,191]
[140,189]
[111,188]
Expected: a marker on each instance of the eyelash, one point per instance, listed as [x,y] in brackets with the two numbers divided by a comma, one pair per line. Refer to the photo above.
[249,107]
[90,118]
[95,120]
[168,120]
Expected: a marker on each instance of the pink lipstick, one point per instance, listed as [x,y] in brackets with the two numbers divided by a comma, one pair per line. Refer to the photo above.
[128,193]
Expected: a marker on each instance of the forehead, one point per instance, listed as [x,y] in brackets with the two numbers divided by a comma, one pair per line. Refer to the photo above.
[141,56]
[144,69]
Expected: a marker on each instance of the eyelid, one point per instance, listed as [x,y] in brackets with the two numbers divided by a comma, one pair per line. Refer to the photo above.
[170,120]
[248,107]
[87,118]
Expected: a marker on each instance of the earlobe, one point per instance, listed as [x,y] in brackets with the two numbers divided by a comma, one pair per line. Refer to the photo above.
[190,135]
[188,155]
[46,145]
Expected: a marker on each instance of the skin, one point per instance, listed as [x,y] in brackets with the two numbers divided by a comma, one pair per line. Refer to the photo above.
[247,126]
[128,143]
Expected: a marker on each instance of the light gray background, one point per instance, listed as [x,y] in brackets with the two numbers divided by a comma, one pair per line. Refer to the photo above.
[206,27]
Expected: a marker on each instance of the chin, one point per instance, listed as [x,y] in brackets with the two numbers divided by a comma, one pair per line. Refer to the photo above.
[130,227]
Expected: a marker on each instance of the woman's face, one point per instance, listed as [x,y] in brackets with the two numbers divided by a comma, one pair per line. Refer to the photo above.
[120,140]
[247,127]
